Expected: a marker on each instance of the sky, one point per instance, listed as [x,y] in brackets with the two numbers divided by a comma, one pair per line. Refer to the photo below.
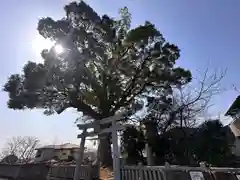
[206,31]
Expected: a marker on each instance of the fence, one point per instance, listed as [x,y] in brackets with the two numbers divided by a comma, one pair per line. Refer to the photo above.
[66,172]
[178,172]
[43,172]
[63,172]
[23,171]
[141,173]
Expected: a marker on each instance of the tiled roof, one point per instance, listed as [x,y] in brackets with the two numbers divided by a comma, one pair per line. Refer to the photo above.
[62,146]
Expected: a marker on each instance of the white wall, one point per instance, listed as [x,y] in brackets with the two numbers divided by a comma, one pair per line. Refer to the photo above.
[46,154]
[235,127]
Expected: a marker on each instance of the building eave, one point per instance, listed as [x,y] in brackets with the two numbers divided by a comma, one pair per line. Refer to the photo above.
[234,108]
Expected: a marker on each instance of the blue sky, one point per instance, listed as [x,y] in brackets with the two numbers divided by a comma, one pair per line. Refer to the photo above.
[206,31]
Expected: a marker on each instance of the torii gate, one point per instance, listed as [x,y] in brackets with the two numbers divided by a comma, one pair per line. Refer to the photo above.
[96,126]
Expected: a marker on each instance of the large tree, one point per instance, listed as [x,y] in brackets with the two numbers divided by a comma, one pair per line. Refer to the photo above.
[106,67]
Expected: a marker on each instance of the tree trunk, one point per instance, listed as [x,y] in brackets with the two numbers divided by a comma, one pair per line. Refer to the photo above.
[105,152]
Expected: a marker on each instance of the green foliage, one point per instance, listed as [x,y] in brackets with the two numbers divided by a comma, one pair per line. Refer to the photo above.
[214,143]
[210,142]
[177,146]
[133,144]
[106,66]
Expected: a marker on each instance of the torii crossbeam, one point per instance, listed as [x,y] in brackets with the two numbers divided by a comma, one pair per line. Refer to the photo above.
[97,131]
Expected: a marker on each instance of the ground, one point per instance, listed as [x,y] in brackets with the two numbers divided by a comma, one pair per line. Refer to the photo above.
[106,174]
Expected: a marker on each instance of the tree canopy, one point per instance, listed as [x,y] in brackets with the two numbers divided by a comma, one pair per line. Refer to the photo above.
[106,67]
[216,141]
[210,142]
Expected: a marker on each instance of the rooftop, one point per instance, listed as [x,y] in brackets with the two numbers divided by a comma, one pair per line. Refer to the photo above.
[234,108]
[62,146]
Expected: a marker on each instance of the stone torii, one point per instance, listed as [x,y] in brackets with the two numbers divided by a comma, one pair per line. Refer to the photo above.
[96,126]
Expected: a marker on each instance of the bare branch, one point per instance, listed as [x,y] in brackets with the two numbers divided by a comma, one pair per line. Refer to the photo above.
[193,101]
[189,102]
[22,147]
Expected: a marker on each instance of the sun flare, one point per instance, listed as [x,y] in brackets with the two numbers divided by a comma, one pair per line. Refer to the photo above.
[39,43]
[58,49]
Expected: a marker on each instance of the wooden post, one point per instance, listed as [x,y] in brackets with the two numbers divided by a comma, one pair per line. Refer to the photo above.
[98,160]
[140,169]
[90,172]
[116,163]
[149,155]
[167,165]
[80,156]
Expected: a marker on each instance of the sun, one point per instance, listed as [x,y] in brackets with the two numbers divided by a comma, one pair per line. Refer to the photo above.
[58,49]
[39,43]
